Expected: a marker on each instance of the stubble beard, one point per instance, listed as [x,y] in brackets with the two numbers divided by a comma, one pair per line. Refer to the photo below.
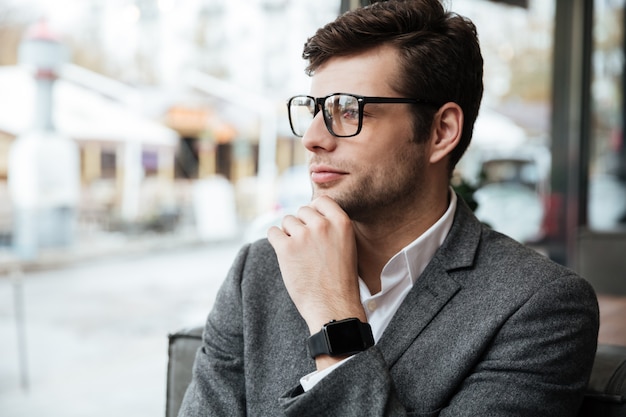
[383,196]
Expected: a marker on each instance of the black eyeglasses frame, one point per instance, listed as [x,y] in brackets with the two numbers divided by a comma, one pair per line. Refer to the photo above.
[361,100]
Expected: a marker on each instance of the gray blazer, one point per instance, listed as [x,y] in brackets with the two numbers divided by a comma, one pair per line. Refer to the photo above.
[491,328]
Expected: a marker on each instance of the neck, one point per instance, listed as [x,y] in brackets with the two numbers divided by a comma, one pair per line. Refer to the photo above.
[378,241]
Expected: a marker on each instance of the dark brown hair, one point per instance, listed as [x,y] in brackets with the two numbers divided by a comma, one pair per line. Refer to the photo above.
[440,58]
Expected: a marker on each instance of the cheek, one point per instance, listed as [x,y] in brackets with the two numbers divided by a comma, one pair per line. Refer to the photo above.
[386,147]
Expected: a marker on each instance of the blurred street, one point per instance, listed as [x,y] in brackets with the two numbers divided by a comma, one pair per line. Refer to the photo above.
[96,330]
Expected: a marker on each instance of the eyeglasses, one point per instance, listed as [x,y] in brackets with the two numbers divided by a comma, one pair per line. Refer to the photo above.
[343,113]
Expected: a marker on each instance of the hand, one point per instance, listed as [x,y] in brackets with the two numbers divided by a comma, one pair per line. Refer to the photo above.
[316,251]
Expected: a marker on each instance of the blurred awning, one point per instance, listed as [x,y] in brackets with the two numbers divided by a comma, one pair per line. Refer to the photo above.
[79,113]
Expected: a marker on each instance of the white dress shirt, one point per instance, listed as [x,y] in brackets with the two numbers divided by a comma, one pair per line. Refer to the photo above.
[397,279]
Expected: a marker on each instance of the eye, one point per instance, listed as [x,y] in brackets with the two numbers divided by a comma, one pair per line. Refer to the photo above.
[346,107]
[349,113]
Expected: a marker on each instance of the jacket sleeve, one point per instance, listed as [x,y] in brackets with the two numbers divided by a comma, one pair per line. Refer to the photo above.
[537,363]
[217,387]
[361,386]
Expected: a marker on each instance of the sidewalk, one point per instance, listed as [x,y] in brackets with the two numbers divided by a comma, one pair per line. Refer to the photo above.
[97,245]
[95,319]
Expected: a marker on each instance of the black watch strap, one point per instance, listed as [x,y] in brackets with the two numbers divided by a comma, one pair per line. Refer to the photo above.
[318,345]
[340,338]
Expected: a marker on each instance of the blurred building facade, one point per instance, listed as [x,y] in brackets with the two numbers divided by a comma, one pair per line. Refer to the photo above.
[148,133]
[213,76]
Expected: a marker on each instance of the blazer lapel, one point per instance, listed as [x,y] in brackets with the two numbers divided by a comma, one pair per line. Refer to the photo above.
[435,287]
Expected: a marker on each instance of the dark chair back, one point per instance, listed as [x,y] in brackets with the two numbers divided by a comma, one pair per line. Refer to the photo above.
[606,392]
[182,352]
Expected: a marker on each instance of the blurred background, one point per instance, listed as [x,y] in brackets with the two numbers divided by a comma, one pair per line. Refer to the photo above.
[143,141]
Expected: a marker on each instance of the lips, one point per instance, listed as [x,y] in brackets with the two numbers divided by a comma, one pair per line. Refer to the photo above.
[322,174]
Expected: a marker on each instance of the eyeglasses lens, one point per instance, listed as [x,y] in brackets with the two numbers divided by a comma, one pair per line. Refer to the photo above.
[301,113]
[341,112]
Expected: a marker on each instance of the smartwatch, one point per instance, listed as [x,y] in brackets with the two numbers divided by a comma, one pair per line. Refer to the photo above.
[340,338]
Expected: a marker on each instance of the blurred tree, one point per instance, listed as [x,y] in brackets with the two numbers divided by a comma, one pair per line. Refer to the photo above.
[531,79]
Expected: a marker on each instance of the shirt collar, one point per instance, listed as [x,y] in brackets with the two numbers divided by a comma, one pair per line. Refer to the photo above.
[416,255]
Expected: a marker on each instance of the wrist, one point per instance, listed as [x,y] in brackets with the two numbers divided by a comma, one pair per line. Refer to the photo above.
[326,361]
[317,320]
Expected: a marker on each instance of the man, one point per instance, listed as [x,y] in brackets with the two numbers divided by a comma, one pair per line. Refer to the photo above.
[385,295]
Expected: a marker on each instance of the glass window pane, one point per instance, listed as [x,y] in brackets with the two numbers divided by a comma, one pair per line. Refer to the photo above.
[509,158]
[607,168]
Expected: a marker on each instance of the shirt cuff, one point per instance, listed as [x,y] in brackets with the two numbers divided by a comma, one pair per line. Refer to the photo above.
[310,380]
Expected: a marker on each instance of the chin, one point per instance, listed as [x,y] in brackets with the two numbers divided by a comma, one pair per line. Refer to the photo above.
[328,193]
[318,192]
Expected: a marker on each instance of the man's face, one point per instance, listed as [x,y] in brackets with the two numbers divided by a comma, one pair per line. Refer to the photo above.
[378,172]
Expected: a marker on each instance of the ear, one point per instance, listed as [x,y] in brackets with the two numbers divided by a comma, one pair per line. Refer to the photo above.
[447,129]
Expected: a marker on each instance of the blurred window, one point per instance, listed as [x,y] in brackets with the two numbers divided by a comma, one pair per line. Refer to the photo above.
[607,165]
[108,161]
[520,171]
[150,163]
[509,159]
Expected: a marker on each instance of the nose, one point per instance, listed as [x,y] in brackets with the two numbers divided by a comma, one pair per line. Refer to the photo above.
[317,137]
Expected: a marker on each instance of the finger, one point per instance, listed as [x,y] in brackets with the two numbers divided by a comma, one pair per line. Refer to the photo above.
[324,204]
[275,235]
[275,232]
[329,208]
[308,214]
[291,224]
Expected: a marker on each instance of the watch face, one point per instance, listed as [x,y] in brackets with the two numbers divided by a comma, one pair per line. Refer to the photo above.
[344,337]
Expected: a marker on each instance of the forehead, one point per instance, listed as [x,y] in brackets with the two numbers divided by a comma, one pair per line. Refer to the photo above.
[368,73]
